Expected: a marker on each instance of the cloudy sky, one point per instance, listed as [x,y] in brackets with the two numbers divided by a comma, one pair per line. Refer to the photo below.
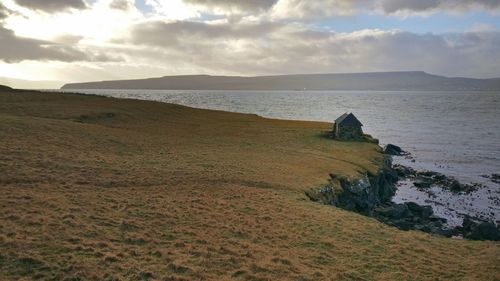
[86,40]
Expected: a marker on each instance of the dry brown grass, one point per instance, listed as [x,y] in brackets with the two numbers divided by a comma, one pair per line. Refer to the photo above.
[105,189]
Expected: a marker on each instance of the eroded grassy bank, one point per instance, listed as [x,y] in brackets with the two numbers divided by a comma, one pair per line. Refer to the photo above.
[100,188]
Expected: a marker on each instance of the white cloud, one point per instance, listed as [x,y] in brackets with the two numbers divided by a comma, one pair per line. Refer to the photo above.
[319,9]
[302,9]
[52,6]
[111,39]
[422,7]
[233,6]
[252,49]
[121,4]
[482,27]
[173,9]
[95,25]
[15,49]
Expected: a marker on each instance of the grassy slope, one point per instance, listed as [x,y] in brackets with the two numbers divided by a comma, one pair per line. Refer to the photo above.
[163,191]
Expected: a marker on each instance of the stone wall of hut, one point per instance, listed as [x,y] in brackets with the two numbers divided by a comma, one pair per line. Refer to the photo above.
[349,133]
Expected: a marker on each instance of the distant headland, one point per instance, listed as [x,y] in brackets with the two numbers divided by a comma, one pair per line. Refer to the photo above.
[376,81]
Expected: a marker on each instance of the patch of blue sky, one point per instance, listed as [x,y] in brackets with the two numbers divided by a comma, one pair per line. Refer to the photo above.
[436,23]
[148,9]
[145,8]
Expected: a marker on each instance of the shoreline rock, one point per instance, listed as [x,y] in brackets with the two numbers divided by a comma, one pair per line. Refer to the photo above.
[425,179]
[411,216]
[493,177]
[476,229]
[359,195]
[392,149]
[371,195]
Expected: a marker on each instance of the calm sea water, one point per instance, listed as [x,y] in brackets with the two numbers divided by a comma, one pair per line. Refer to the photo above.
[455,133]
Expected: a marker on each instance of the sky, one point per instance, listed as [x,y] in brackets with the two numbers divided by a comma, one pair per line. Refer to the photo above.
[89,40]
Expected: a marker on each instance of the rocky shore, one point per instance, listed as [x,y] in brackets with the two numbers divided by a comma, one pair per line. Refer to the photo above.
[425,179]
[371,195]
[493,177]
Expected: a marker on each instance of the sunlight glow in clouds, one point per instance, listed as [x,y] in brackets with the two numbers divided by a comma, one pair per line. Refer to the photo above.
[173,9]
[95,25]
[83,40]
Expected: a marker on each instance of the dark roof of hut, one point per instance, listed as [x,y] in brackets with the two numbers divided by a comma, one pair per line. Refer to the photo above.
[348,119]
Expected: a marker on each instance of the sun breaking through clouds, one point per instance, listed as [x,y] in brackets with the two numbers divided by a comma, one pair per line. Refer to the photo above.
[81,40]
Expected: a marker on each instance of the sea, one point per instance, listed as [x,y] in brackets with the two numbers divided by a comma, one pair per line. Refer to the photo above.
[454,133]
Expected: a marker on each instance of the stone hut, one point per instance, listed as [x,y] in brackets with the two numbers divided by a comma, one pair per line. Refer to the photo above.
[347,127]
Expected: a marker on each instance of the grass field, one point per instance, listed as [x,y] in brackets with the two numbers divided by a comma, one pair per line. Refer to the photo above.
[95,188]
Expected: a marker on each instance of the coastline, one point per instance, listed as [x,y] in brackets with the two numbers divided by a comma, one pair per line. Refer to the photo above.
[145,184]
[373,195]
[465,152]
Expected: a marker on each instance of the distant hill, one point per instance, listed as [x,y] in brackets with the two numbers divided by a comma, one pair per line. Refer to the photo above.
[30,84]
[7,89]
[383,81]
[4,88]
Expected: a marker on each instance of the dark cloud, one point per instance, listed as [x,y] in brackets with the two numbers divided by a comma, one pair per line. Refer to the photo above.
[280,48]
[394,6]
[319,9]
[235,5]
[51,6]
[4,12]
[15,49]
[173,33]
[269,46]
[68,39]
[123,5]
